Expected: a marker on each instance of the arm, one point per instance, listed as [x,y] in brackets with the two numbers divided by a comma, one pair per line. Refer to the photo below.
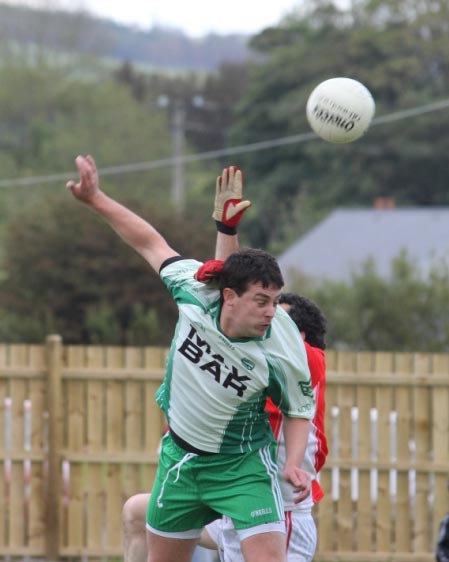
[135,231]
[317,364]
[226,245]
[296,432]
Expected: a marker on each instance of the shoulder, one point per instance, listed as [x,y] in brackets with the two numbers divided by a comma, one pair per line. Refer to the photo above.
[285,334]
[179,270]
[284,344]
[283,322]
[178,275]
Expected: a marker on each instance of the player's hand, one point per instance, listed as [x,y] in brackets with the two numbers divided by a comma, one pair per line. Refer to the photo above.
[229,206]
[88,186]
[301,481]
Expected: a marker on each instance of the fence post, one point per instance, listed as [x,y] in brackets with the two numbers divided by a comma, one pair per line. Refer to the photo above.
[54,382]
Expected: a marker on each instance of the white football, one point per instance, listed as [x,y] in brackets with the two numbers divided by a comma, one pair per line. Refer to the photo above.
[340,110]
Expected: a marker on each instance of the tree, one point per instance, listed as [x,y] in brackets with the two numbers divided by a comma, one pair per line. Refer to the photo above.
[68,272]
[207,100]
[403,313]
[62,115]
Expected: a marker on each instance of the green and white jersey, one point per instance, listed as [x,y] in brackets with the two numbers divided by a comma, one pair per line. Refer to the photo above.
[214,389]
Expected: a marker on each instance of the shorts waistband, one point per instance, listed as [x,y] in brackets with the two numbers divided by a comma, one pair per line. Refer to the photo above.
[186,446]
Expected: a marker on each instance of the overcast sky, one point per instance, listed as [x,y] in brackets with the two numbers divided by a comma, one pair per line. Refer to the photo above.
[194,17]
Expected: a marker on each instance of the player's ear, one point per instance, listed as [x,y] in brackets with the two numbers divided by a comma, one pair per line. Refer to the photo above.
[229,296]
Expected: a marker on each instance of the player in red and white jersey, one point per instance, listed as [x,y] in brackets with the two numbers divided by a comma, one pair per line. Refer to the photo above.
[312,325]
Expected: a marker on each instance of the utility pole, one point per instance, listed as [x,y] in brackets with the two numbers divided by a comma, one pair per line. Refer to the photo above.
[177,107]
[179,133]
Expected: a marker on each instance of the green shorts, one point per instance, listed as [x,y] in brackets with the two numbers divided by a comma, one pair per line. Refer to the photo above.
[191,490]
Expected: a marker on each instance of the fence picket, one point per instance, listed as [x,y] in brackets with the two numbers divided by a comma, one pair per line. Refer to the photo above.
[440,436]
[114,443]
[18,394]
[403,407]
[74,440]
[384,502]
[96,433]
[422,440]
[38,490]
[3,437]
[132,419]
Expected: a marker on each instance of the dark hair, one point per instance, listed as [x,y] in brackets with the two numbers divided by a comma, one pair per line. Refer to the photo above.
[308,318]
[248,266]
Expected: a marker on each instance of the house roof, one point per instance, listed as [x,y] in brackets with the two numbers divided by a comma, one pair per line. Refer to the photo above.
[341,243]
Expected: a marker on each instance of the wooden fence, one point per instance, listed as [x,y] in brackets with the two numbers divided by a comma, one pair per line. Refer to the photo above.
[81,431]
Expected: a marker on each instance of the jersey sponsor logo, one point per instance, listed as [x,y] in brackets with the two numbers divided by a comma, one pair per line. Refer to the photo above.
[248,364]
[306,389]
[199,352]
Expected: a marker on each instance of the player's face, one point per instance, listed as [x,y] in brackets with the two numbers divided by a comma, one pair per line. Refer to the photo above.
[250,314]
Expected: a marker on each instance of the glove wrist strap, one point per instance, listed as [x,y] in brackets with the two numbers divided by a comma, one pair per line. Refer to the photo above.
[225,229]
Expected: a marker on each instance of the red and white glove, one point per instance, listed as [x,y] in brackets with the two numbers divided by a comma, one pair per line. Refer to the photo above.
[229,206]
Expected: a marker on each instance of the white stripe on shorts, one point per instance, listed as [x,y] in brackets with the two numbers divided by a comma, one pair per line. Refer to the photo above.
[272,471]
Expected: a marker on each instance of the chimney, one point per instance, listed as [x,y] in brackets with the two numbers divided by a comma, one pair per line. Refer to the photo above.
[384,203]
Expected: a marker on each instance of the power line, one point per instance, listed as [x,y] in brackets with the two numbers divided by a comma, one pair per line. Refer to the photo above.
[212,154]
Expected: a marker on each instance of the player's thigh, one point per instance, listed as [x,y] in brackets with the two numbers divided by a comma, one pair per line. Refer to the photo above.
[301,536]
[175,507]
[245,488]
[169,549]
[264,547]
[134,512]
[176,510]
